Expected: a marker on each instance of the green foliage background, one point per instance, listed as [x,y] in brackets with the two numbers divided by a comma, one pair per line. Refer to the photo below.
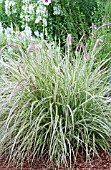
[76,18]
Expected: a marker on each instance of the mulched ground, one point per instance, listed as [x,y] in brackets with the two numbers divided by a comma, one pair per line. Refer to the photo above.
[97,164]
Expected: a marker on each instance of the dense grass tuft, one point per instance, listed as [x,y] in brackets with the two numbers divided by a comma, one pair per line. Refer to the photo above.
[52,106]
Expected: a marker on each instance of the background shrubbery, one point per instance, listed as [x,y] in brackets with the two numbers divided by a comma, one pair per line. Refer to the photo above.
[57,19]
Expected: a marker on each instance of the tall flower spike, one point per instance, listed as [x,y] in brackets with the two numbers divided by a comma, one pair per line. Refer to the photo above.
[68,43]
[69,40]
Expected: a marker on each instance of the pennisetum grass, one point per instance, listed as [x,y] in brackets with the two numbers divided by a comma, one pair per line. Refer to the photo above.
[52,106]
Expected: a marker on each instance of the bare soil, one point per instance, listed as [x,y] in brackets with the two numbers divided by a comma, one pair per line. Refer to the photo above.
[103,163]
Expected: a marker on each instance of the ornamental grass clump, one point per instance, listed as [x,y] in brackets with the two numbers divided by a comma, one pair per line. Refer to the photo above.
[51,106]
